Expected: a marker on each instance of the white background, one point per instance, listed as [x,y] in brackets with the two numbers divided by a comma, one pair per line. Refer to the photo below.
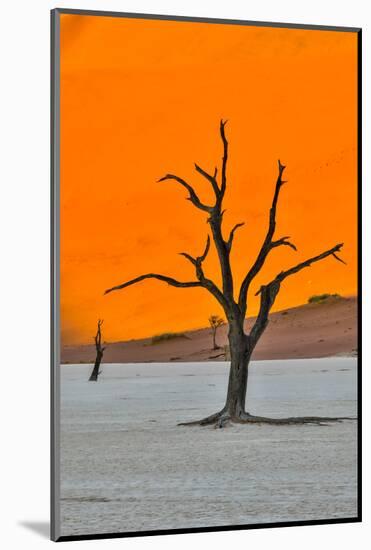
[24,305]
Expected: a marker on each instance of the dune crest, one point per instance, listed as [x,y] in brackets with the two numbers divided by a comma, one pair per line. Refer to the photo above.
[324,329]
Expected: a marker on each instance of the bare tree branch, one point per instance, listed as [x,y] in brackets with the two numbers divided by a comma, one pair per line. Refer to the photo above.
[216,216]
[225,156]
[231,235]
[98,336]
[215,222]
[283,241]
[269,292]
[267,244]
[168,280]
[221,246]
[214,290]
[268,295]
[192,193]
[204,281]
[189,257]
[210,178]
[199,259]
[331,252]
[338,258]
[206,251]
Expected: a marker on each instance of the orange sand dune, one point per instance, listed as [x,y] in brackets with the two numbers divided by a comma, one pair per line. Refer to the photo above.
[142,98]
[311,330]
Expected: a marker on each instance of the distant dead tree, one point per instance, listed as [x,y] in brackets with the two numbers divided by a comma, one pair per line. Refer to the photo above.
[99,349]
[241,344]
[215,322]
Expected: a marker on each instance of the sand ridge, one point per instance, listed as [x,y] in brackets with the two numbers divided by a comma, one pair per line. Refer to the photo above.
[311,330]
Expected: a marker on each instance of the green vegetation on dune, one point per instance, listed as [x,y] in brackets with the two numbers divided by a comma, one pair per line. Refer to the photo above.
[158,338]
[319,298]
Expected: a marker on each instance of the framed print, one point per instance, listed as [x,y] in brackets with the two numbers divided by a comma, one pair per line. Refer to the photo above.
[206,349]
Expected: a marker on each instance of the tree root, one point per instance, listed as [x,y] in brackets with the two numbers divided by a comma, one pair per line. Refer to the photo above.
[212,419]
[318,420]
[222,419]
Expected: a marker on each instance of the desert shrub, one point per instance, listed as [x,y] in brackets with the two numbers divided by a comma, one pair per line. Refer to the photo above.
[318,298]
[158,338]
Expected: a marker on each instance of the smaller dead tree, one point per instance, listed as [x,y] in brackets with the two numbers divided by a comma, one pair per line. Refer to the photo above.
[215,322]
[98,346]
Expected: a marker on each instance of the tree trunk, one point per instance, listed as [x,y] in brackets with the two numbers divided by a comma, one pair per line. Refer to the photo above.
[241,347]
[240,351]
[214,339]
[95,372]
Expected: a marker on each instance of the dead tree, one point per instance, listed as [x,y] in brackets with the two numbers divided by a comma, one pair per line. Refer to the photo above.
[99,349]
[215,322]
[234,302]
